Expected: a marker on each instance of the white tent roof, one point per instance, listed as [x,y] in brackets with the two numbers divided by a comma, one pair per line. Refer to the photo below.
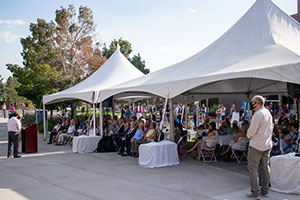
[115,70]
[262,47]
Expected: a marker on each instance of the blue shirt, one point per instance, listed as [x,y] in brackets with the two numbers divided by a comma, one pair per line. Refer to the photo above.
[138,134]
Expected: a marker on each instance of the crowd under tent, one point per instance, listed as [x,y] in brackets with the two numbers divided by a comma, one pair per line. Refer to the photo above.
[114,71]
[259,54]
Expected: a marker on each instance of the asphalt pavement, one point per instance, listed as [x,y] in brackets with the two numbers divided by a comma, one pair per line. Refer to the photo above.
[57,173]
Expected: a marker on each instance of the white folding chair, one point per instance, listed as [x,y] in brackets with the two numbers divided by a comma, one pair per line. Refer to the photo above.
[241,146]
[208,154]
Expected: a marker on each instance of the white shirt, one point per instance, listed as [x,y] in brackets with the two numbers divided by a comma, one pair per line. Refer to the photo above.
[260,130]
[4,107]
[14,125]
[71,129]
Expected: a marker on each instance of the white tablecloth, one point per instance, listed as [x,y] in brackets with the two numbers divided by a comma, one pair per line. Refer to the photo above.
[224,139]
[158,154]
[285,173]
[85,144]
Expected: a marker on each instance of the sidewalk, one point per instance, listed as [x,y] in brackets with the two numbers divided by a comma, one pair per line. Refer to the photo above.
[57,173]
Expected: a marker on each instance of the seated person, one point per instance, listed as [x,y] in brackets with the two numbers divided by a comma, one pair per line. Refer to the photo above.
[235,128]
[63,129]
[190,124]
[138,137]
[125,141]
[240,134]
[291,139]
[91,131]
[201,143]
[82,127]
[54,131]
[225,129]
[71,130]
[120,132]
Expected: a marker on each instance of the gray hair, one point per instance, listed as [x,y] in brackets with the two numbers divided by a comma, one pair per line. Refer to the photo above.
[259,99]
[132,123]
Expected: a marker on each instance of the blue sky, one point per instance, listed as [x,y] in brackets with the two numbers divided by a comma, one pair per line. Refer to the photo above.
[164,32]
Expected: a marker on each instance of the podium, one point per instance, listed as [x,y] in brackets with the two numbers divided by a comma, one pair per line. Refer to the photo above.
[29,139]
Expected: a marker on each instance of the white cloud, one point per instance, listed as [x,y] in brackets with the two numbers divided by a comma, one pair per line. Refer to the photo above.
[6,36]
[13,22]
[193,11]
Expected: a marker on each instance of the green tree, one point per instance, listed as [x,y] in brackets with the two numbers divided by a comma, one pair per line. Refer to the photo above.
[34,82]
[58,54]
[3,94]
[137,61]
[125,49]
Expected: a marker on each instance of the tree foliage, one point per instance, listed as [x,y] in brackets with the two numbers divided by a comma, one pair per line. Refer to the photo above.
[125,49]
[3,93]
[58,54]
[34,82]
[137,61]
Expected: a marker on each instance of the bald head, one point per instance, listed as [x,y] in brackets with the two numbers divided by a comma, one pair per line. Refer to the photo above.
[259,99]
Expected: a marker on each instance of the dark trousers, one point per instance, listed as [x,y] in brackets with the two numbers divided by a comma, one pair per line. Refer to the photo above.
[12,140]
[125,144]
[53,133]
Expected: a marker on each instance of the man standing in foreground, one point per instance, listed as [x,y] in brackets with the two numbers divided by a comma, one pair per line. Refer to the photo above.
[260,136]
[14,128]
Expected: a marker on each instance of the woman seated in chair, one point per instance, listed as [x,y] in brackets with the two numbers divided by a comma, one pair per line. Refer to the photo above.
[291,139]
[212,133]
[71,130]
[242,133]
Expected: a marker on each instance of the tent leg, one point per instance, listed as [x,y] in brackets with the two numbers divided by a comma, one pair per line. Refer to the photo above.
[44,122]
[94,118]
[133,108]
[171,121]
[113,107]
[101,119]
[163,115]
[186,115]
[197,115]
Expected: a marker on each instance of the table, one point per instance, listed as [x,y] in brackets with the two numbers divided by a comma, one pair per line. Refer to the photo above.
[85,144]
[158,154]
[285,171]
[224,139]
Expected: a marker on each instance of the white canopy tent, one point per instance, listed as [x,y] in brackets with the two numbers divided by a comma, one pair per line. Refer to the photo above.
[257,55]
[114,71]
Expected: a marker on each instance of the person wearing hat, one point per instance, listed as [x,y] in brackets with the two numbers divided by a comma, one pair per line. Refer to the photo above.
[14,128]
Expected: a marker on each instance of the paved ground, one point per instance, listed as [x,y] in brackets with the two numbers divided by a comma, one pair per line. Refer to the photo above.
[57,173]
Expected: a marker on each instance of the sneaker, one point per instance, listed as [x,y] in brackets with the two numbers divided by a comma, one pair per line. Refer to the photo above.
[253,196]
[264,195]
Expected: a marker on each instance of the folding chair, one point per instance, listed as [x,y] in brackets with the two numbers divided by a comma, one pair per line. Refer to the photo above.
[209,152]
[241,146]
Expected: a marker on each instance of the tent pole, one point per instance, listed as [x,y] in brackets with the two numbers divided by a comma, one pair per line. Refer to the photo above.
[94,118]
[171,121]
[133,108]
[186,114]
[44,122]
[197,115]
[163,115]
[113,106]
[101,119]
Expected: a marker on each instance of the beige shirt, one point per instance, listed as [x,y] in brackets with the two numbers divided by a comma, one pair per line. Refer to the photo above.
[260,130]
